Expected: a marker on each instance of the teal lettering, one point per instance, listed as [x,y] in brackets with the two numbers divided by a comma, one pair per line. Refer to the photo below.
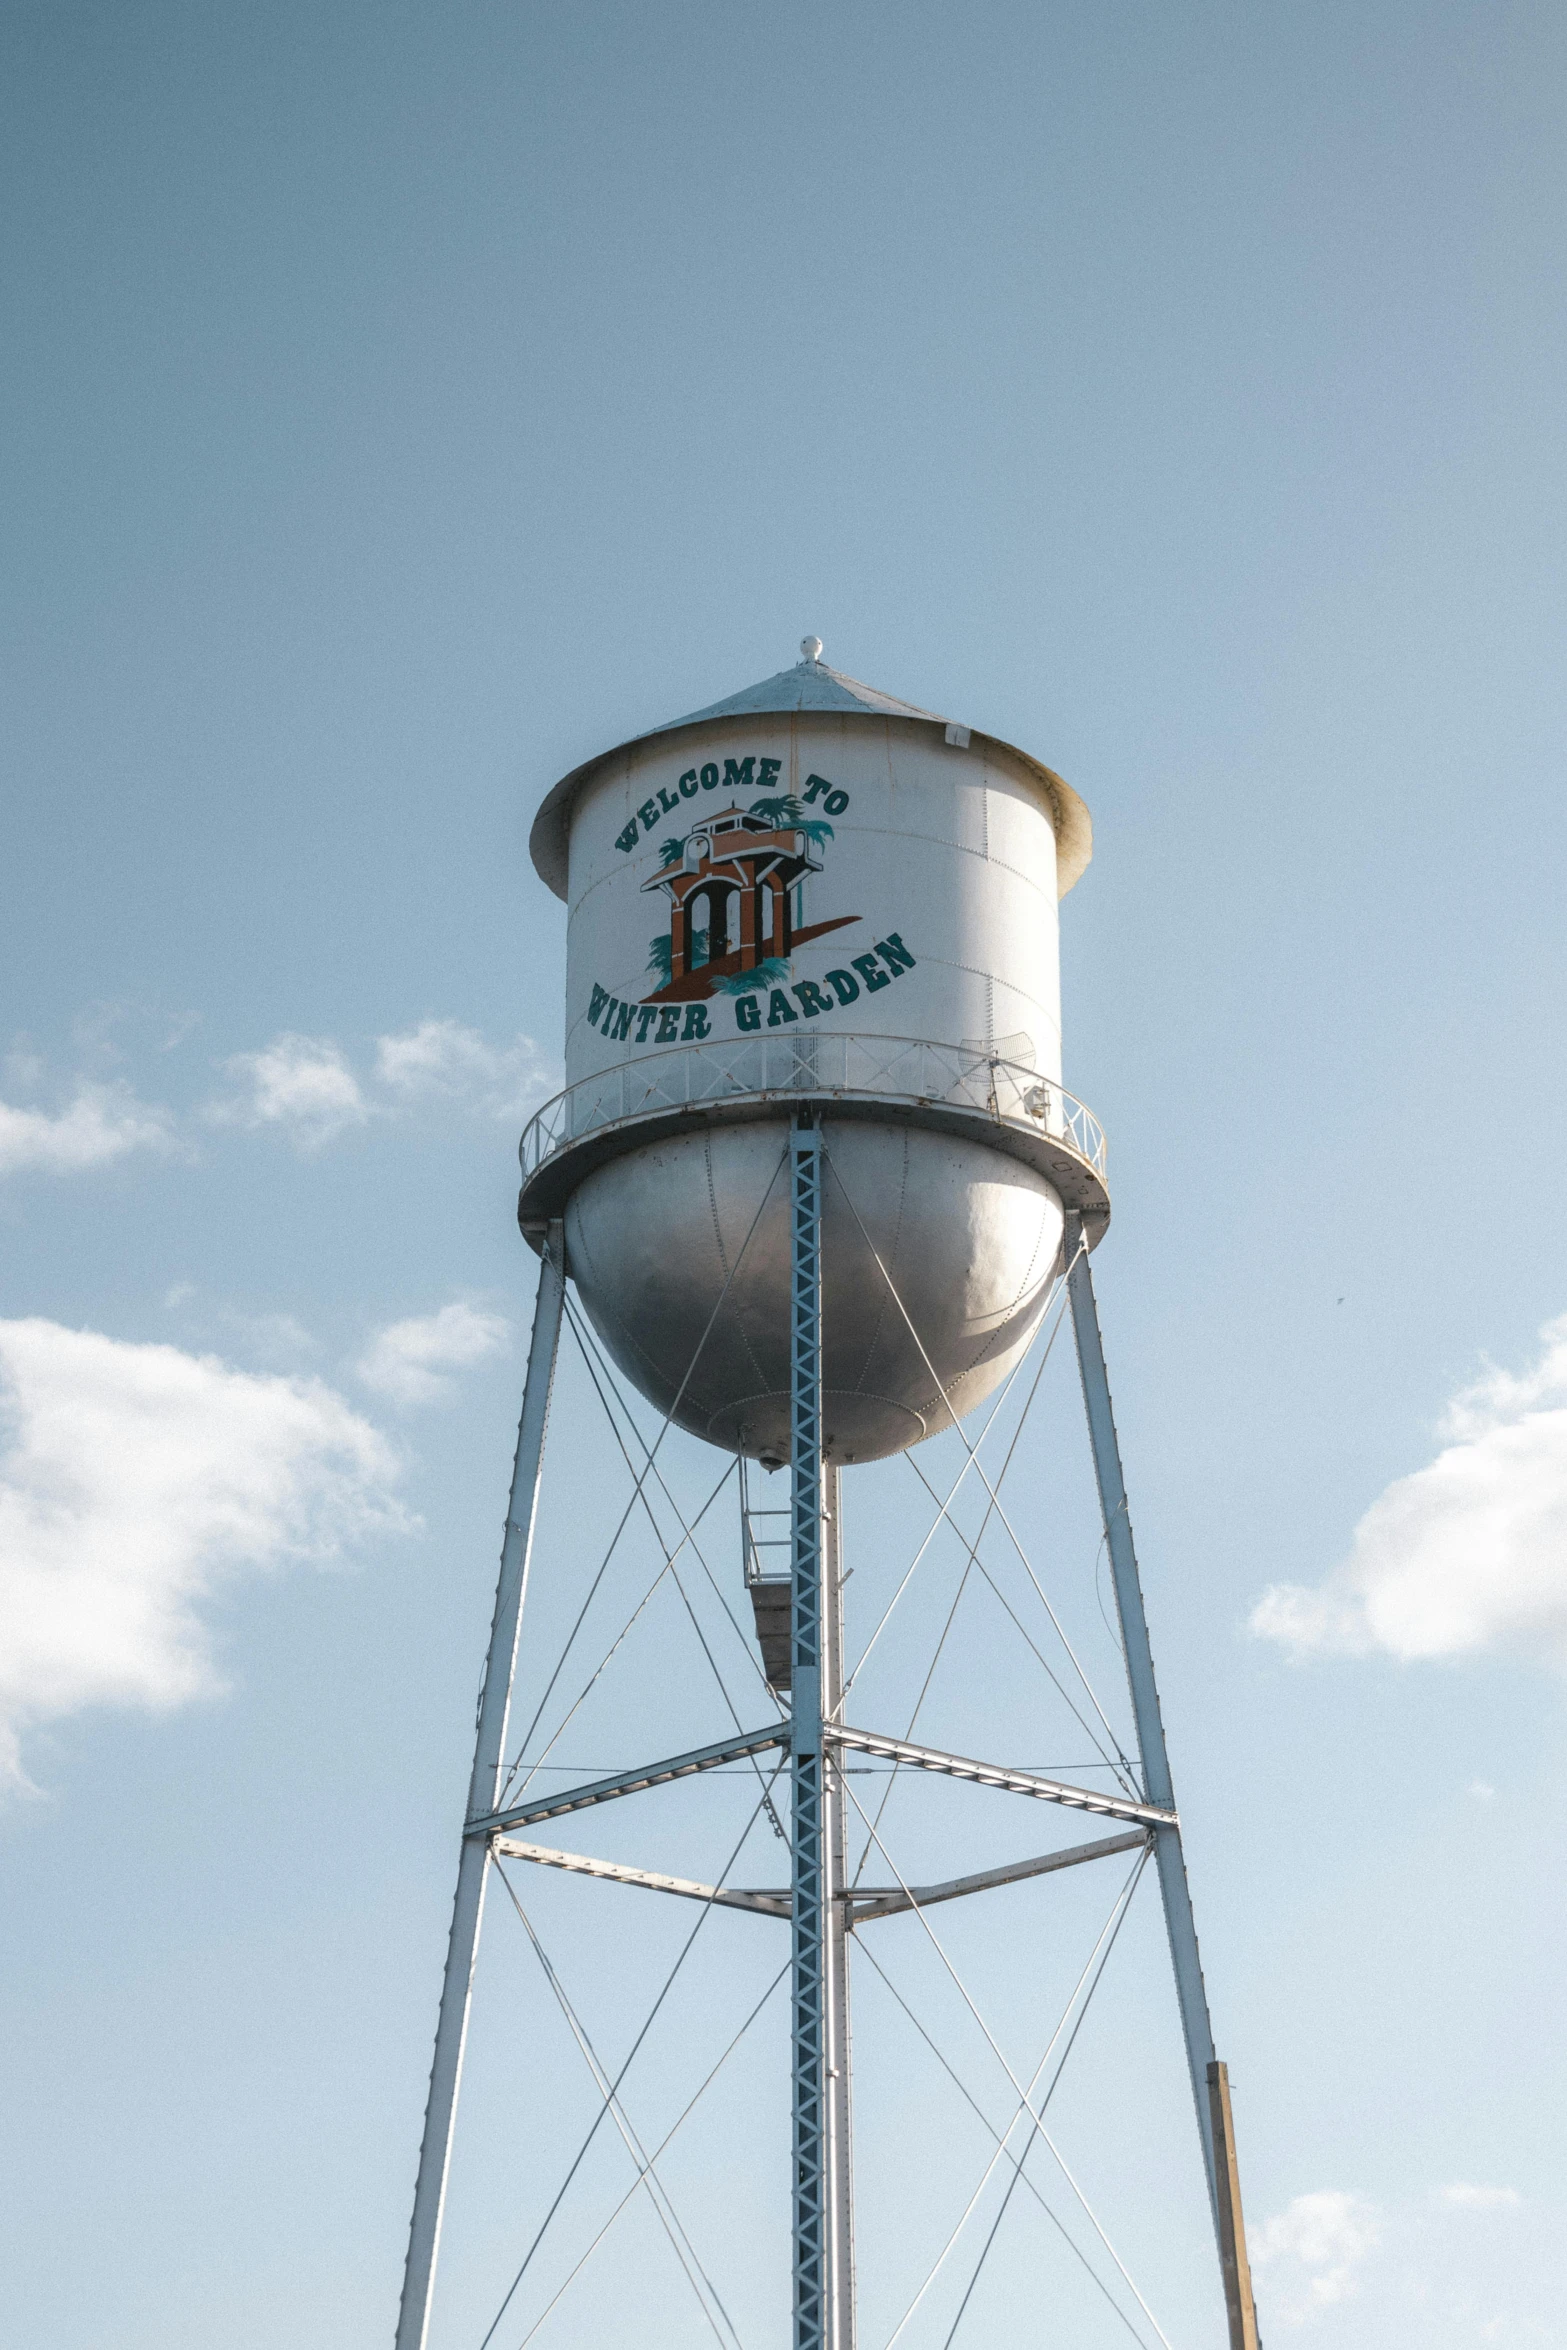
[696,1023]
[624,1015]
[688,784]
[814,788]
[748,1012]
[844,985]
[894,953]
[738,772]
[866,967]
[627,840]
[812,1000]
[770,772]
[649,814]
[779,1009]
[668,1024]
[596,1002]
[645,1019]
[667,801]
[836,802]
[710,777]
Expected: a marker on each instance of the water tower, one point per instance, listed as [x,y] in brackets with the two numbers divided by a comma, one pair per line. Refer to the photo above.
[816,1182]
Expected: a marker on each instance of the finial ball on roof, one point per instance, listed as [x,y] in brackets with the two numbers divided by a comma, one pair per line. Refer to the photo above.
[811,647]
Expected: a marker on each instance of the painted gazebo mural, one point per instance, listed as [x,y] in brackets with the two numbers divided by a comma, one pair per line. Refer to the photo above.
[730,886]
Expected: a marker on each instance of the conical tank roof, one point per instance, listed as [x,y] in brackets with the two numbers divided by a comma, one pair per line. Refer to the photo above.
[810,685]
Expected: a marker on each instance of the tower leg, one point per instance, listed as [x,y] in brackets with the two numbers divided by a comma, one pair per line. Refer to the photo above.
[1178,1918]
[840,2163]
[451,2029]
[808,1986]
[1238,2302]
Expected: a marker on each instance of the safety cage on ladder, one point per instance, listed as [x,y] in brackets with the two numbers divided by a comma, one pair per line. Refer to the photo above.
[764,1548]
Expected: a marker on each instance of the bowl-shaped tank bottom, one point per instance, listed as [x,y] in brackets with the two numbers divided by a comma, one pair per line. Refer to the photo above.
[680,1254]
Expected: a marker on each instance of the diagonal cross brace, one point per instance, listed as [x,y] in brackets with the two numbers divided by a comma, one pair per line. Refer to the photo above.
[875,1902]
[656,1774]
[983,1774]
[580,1864]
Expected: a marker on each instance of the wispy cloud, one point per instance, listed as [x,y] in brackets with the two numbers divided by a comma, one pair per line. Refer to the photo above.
[441,1060]
[1465,1555]
[307,1088]
[1312,2252]
[136,1479]
[102,1122]
[1448,2248]
[412,1361]
[302,1085]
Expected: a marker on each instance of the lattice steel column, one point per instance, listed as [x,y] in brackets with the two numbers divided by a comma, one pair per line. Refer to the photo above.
[1180,1923]
[808,2010]
[840,2065]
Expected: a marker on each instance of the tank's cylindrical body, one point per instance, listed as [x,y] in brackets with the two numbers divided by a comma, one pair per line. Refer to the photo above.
[805,887]
[951,852]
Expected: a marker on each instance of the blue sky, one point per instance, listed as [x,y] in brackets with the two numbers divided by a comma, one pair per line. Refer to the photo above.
[401,404]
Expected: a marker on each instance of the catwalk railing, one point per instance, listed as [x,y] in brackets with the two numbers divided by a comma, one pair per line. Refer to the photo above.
[904,1069]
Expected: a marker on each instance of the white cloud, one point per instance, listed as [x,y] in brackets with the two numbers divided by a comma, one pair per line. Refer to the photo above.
[442,1060]
[1429,2266]
[302,1084]
[1467,1554]
[1312,2251]
[135,1480]
[408,1361]
[305,1085]
[104,1122]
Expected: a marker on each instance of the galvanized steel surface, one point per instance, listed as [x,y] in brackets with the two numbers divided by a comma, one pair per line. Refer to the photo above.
[1001,1101]
[680,1253]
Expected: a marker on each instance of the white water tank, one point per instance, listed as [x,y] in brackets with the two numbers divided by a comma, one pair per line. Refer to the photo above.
[812,894]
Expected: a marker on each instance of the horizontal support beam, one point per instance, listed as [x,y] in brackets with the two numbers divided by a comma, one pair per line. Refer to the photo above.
[872,1901]
[659,1774]
[774,1905]
[878,1904]
[959,1766]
